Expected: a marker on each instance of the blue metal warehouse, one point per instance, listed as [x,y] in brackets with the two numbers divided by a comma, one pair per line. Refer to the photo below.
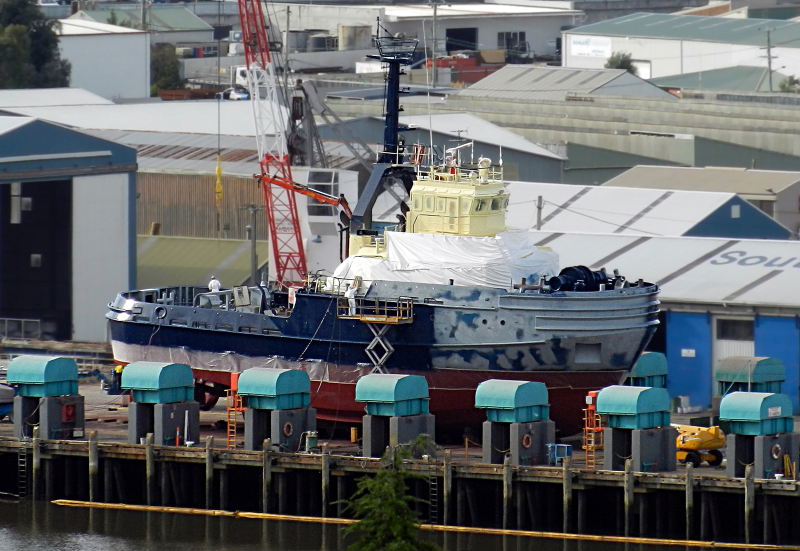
[719,298]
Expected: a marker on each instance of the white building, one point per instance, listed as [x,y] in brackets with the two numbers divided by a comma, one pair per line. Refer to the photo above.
[663,45]
[110,61]
[486,26]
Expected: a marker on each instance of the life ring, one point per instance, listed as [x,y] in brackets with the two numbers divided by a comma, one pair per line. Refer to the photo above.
[526,441]
[161,312]
[776,451]
[287,429]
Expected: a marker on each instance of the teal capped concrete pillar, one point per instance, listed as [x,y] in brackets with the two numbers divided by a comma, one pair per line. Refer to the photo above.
[162,403]
[47,396]
[397,411]
[747,374]
[649,370]
[277,408]
[638,428]
[761,433]
[518,420]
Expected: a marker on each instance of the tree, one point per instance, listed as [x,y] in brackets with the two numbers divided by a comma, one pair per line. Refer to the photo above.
[386,520]
[33,61]
[790,84]
[164,69]
[622,60]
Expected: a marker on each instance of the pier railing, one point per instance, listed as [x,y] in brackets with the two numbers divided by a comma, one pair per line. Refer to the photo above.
[20,329]
[376,310]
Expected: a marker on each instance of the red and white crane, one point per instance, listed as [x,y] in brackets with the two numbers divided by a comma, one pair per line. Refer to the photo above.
[270,118]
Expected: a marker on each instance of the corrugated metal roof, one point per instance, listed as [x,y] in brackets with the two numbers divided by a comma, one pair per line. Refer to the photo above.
[49,97]
[470,127]
[761,184]
[595,209]
[192,261]
[73,27]
[742,78]
[488,9]
[159,19]
[697,27]
[700,270]
[184,117]
[548,83]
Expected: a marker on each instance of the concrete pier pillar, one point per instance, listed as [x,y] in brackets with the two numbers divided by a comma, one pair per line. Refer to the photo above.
[266,475]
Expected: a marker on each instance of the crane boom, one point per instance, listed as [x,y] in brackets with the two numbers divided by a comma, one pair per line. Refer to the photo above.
[270,126]
[320,196]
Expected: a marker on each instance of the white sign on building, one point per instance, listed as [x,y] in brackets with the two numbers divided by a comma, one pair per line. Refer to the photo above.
[590,46]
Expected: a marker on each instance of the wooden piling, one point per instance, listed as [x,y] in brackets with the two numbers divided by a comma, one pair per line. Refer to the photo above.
[507,490]
[326,479]
[49,479]
[37,464]
[150,469]
[209,472]
[767,526]
[448,488]
[94,467]
[749,503]
[223,489]
[628,496]
[704,516]
[340,495]
[689,500]
[266,474]
[567,493]
[119,480]
[581,511]
[108,484]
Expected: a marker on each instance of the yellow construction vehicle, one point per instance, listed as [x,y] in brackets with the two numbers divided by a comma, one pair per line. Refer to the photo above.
[697,444]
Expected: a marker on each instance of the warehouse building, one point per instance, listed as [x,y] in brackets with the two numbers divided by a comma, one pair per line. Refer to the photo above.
[776,193]
[522,159]
[662,45]
[67,233]
[719,298]
[631,211]
[108,60]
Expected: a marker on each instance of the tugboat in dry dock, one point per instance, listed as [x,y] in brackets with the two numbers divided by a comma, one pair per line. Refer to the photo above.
[437,299]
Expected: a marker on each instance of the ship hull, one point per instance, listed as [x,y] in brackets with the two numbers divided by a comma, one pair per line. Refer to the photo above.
[456,338]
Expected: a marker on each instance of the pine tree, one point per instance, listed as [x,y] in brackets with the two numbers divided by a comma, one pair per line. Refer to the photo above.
[386,519]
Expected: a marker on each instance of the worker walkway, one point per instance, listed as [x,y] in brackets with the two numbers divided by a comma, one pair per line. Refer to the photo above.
[376,310]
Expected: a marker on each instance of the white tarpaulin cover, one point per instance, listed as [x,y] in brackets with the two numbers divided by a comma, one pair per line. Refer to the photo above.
[469,261]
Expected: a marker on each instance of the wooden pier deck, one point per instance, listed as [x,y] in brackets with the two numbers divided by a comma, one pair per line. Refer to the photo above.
[690,505]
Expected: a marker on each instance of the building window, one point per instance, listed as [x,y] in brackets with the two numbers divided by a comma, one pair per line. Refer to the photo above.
[510,41]
[321,181]
[735,330]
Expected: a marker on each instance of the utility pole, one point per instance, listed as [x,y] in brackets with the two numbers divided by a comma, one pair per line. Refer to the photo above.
[251,236]
[769,57]
[769,60]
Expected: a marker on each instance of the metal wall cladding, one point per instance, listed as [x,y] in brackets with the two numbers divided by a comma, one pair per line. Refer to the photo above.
[185,206]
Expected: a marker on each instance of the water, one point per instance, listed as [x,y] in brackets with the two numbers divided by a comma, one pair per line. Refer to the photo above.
[46,527]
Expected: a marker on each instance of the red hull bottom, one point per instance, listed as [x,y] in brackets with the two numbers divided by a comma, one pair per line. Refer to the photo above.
[452,397]
[452,393]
